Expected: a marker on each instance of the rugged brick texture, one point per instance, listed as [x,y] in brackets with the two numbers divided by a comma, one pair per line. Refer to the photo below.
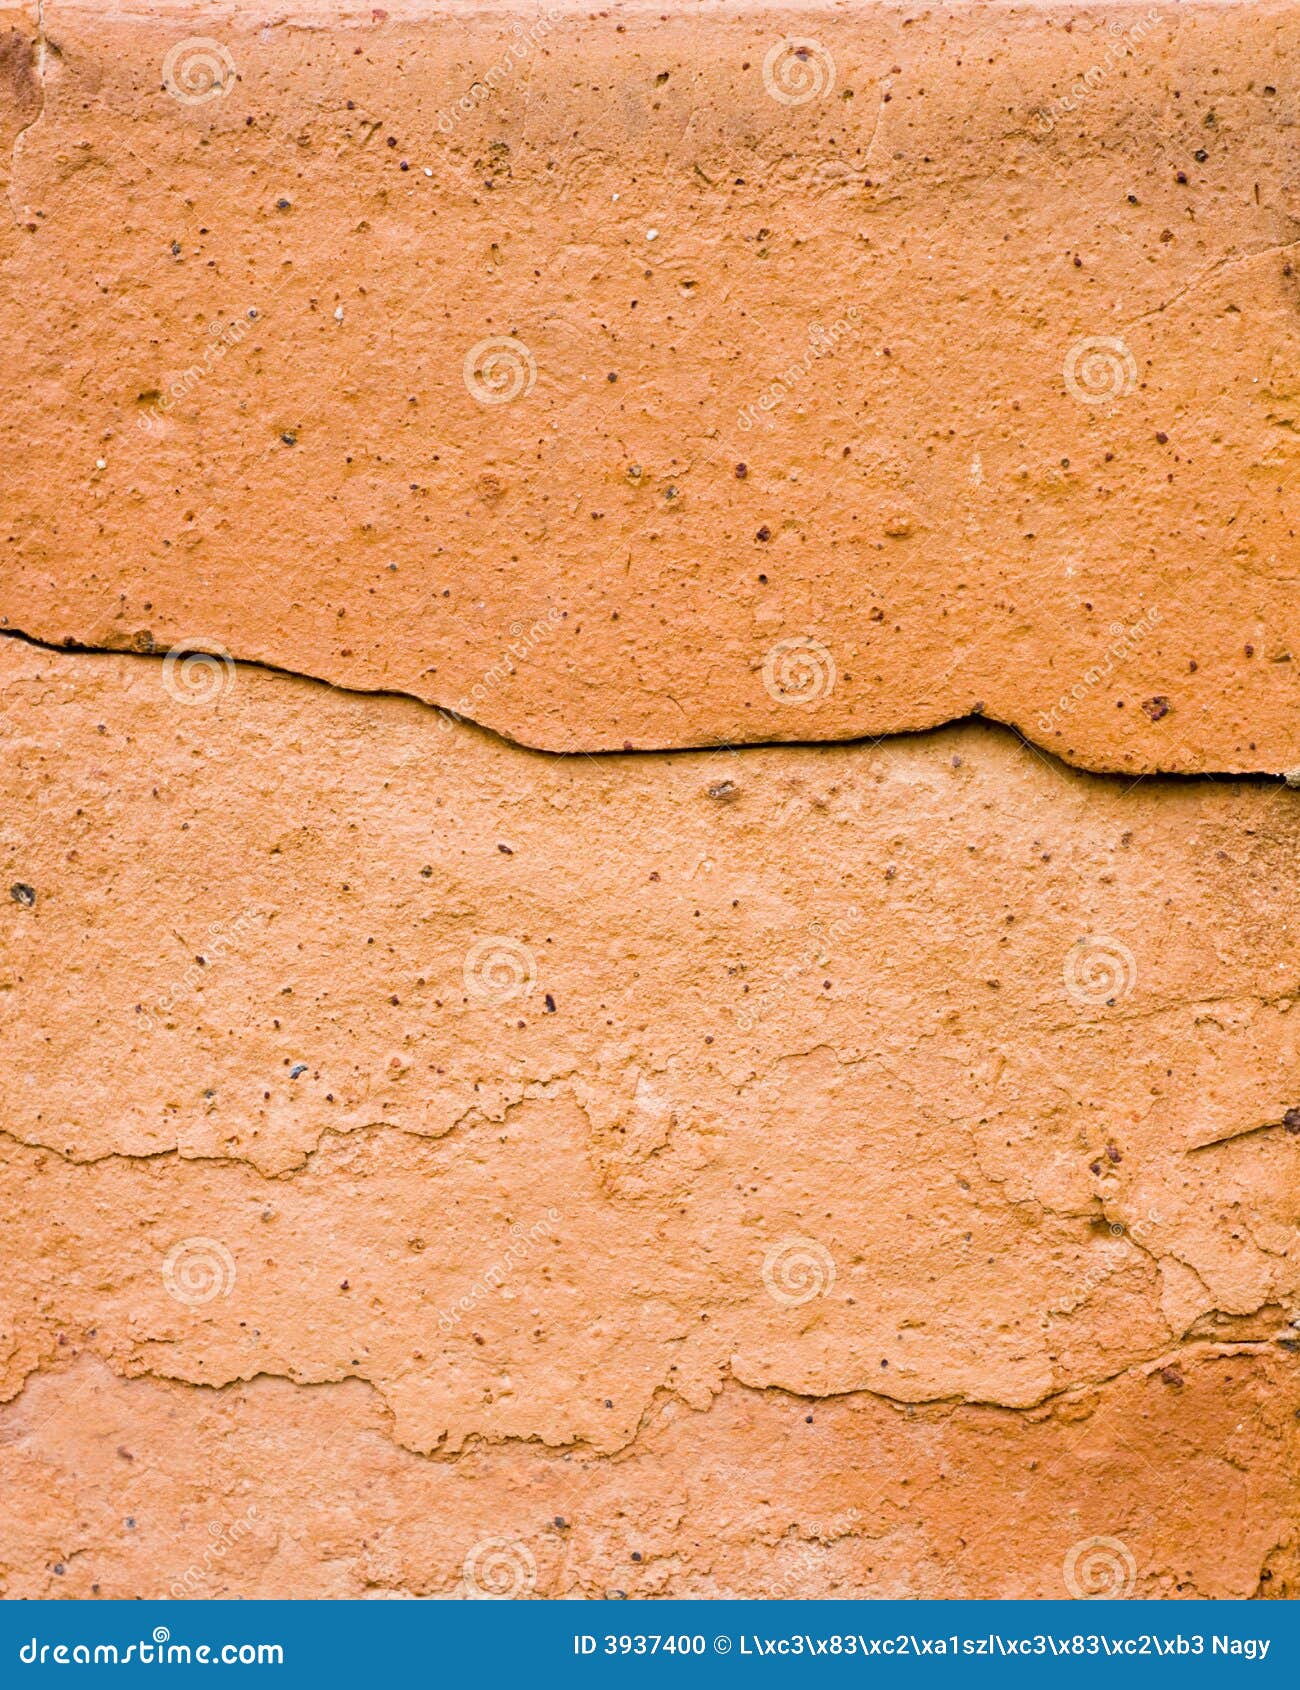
[923,1074]
[954,373]
[147,1488]
[439,1161]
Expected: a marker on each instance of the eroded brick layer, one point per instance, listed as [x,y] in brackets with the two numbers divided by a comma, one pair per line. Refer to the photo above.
[430,1163]
[657,376]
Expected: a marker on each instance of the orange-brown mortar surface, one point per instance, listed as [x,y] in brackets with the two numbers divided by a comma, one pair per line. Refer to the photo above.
[543,1093]
[785,372]
[147,1488]
[730,1168]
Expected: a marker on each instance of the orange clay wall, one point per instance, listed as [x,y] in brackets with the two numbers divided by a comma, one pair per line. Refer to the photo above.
[649,874]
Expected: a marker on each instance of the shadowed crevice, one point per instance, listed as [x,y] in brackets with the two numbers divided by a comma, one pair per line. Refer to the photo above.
[1257,777]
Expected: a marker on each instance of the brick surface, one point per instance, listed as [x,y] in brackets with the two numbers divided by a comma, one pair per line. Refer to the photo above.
[631,378]
[539,1051]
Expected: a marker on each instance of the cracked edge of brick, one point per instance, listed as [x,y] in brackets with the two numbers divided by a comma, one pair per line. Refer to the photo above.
[1053,759]
[1074,1395]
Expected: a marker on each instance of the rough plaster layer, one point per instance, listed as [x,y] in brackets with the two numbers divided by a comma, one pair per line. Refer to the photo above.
[500,1105]
[431,1166]
[821,372]
[147,1488]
